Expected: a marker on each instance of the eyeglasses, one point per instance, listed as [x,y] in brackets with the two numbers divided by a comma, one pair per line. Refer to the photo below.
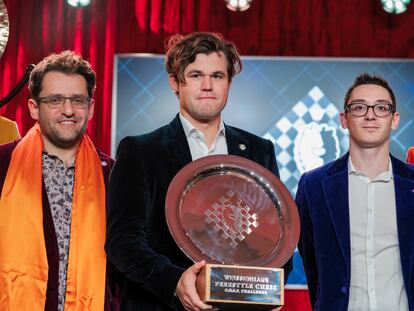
[57,101]
[360,110]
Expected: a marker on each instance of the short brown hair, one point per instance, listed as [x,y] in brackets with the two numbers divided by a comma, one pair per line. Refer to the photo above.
[366,78]
[182,51]
[66,62]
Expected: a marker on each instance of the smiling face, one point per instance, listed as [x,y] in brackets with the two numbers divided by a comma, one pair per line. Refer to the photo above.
[62,127]
[204,94]
[369,131]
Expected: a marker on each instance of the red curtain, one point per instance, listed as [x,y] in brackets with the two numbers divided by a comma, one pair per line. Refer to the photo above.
[349,28]
[40,27]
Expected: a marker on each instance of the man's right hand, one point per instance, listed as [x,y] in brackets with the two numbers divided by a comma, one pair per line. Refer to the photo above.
[186,289]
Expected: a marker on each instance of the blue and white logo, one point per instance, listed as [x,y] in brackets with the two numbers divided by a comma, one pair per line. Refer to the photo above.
[315,145]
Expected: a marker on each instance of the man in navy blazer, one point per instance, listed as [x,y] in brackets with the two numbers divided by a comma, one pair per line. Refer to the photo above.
[357,213]
[158,275]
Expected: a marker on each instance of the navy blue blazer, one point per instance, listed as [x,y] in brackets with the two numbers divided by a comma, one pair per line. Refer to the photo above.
[322,200]
[139,243]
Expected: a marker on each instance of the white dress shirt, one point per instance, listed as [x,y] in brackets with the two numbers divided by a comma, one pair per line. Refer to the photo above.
[376,276]
[197,143]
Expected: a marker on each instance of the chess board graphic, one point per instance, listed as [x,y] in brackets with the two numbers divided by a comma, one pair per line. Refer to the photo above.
[294,102]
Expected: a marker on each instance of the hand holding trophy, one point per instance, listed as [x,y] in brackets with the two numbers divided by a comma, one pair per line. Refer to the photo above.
[238,217]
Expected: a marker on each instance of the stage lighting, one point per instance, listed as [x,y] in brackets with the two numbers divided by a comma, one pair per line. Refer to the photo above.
[238,5]
[79,3]
[395,6]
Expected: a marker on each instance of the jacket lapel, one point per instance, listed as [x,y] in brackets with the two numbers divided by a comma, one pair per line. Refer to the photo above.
[179,151]
[335,187]
[177,145]
[236,144]
[404,200]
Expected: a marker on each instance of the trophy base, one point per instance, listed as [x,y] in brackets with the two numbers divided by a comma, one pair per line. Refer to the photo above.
[240,287]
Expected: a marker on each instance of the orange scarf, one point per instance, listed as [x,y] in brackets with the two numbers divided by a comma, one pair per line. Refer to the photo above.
[23,261]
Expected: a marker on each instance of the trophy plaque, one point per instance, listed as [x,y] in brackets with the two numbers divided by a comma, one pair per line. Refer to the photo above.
[238,217]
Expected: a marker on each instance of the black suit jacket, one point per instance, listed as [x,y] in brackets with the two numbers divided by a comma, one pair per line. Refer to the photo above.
[139,243]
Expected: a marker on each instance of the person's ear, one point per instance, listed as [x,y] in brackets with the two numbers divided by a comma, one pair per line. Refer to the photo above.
[342,119]
[395,120]
[175,86]
[33,109]
[91,109]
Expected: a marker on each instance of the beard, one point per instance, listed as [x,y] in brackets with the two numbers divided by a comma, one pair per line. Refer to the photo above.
[64,139]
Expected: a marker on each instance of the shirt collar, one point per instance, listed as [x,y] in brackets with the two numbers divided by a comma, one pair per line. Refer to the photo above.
[384,176]
[56,159]
[189,129]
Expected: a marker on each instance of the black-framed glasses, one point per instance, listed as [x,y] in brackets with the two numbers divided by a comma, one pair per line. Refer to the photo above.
[57,101]
[360,110]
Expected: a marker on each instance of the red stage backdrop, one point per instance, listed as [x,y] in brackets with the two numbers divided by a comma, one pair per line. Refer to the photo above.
[350,28]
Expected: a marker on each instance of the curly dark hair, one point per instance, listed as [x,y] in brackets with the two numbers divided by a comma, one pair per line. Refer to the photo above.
[182,51]
[66,62]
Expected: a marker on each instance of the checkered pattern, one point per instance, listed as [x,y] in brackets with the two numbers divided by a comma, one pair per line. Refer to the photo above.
[232,217]
[264,101]
[314,107]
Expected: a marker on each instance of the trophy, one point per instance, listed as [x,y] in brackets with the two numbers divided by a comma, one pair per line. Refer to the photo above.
[238,217]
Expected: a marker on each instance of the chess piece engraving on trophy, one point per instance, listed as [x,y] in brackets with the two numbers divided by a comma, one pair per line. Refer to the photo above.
[241,219]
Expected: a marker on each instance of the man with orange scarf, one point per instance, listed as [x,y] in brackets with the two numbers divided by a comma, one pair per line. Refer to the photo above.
[52,206]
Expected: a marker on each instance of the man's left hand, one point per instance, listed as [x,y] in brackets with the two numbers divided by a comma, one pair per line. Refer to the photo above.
[186,289]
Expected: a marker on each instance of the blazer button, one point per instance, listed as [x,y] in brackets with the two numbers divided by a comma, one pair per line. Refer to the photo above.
[343,290]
